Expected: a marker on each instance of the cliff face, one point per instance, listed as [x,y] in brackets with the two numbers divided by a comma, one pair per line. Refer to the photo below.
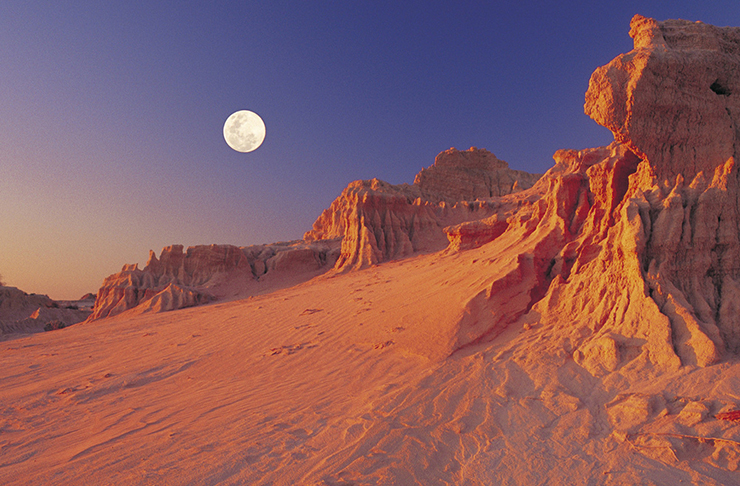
[380,221]
[205,273]
[635,245]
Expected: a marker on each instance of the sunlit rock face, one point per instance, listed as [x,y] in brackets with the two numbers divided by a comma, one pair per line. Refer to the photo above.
[468,175]
[379,221]
[675,99]
[636,245]
[675,102]
[205,273]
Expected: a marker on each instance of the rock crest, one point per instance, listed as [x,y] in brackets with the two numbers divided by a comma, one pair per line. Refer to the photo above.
[670,100]
[469,175]
[379,221]
[205,273]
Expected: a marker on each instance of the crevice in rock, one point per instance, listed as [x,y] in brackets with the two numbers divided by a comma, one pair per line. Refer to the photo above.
[623,169]
[720,89]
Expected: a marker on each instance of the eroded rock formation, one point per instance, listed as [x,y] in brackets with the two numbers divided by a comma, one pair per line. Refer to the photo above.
[469,175]
[378,221]
[631,252]
[21,312]
[205,273]
[673,100]
[635,245]
[373,221]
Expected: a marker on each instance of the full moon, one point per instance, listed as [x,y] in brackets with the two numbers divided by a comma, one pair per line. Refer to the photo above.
[244,131]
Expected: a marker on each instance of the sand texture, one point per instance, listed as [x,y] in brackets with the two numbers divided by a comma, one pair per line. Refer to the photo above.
[351,380]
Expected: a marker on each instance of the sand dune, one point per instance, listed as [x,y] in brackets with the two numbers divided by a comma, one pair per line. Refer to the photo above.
[348,379]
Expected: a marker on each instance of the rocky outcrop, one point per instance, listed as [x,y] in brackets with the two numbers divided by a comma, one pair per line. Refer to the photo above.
[673,100]
[635,246]
[469,175]
[21,312]
[370,222]
[682,115]
[205,273]
[378,221]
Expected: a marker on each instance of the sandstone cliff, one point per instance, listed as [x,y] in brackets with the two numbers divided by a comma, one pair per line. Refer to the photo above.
[378,221]
[205,273]
[636,244]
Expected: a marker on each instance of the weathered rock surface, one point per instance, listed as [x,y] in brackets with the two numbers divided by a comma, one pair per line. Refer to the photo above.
[205,273]
[682,112]
[636,245]
[673,100]
[378,221]
[28,313]
[469,175]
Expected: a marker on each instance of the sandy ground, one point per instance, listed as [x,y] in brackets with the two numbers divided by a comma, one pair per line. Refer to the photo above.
[351,379]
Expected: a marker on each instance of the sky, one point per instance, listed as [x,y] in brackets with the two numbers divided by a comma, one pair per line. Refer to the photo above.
[111,113]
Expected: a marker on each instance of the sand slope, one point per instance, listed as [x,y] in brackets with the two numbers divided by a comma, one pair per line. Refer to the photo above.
[347,380]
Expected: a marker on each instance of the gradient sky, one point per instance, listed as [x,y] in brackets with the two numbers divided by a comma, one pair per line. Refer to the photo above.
[111,116]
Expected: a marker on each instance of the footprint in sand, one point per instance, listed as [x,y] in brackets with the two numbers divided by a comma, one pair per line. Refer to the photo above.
[384,345]
[291,348]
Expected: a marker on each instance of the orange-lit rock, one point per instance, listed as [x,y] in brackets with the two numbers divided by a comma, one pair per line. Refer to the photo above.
[634,247]
[379,221]
[467,175]
[632,250]
[673,100]
[208,272]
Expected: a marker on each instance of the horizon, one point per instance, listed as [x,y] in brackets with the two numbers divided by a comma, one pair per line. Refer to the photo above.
[113,124]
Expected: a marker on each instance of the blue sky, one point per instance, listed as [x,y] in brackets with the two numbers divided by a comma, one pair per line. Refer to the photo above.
[111,112]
